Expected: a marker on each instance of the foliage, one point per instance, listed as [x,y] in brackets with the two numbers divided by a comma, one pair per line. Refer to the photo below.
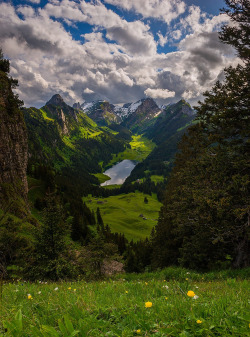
[116,307]
[205,219]
[50,249]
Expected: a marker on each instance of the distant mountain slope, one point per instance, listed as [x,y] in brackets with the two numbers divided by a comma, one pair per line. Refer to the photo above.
[102,112]
[67,140]
[173,118]
[141,115]
[166,132]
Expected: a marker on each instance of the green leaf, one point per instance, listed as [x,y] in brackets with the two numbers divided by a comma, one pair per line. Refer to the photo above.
[49,330]
[68,324]
[62,327]
[19,321]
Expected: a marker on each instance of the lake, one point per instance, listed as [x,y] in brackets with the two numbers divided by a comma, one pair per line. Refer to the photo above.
[119,172]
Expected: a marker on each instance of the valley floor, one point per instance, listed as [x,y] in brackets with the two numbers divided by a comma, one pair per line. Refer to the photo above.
[140,149]
[151,304]
[128,213]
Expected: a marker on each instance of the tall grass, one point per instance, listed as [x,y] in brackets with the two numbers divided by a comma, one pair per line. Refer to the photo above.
[116,307]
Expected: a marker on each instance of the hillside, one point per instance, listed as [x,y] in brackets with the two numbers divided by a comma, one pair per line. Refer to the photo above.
[141,115]
[102,112]
[65,138]
[166,132]
[127,213]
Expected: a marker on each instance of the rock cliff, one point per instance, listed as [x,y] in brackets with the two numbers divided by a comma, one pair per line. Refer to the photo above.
[13,141]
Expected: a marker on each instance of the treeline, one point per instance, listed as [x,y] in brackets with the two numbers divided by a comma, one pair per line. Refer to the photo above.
[205,220]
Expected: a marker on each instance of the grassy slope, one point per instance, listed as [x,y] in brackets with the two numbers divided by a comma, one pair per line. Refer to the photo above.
[122,212]
[140,149]
[117,308]
[101,177]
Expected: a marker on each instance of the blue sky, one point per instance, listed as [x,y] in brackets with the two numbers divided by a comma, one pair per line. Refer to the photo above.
[118,50]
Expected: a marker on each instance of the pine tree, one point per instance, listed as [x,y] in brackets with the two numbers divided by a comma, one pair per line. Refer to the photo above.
[205,217]
[50,246]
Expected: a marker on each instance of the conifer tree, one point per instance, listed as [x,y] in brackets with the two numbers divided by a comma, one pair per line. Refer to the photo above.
[205,218]
[50,247]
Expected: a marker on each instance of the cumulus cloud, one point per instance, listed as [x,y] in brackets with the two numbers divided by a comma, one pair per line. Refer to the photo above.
[88,91]
[165,10]
[117,60]
[34,1]
[159,93]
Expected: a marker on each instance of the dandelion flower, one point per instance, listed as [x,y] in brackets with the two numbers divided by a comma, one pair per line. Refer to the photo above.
[74,289]
[126,292]
[146,283]
[190,293]
[148,304]
[166,298]
[198,321]
[138,331]
[29,297]
[186,279]
[69,288]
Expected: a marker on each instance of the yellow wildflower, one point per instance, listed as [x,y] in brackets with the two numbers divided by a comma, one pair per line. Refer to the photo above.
[186,279]
[29,297]
[138,331]
[146,283]
[166,298]
[190,293]
[69,288]
[126,292]
[198,321]
[148,304]
[74,289]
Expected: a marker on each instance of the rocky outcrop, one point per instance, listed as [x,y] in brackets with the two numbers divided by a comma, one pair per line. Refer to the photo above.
[102,112]
[141,118]
[13,144]
[77,106]
[57,106]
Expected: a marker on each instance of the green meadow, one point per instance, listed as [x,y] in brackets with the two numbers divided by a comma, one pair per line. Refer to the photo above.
[140,149]
[122,213]
[172,302]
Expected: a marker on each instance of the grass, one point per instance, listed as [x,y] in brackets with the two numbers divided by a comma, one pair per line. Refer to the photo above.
[155,178]
[117,307]
[141,147]
[101,177]
[122,213]
[111,187]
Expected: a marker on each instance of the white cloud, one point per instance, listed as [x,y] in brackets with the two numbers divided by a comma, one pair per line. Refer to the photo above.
[176,34]
[34,1]
[133,37]
[159,93]
[162,39]
[88,91]
[26,11]
[166,10]
[118,60]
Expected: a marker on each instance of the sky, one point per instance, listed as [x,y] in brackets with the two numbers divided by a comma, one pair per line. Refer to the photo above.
[115,50]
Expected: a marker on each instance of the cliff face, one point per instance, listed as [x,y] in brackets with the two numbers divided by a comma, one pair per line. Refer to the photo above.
[13,143]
